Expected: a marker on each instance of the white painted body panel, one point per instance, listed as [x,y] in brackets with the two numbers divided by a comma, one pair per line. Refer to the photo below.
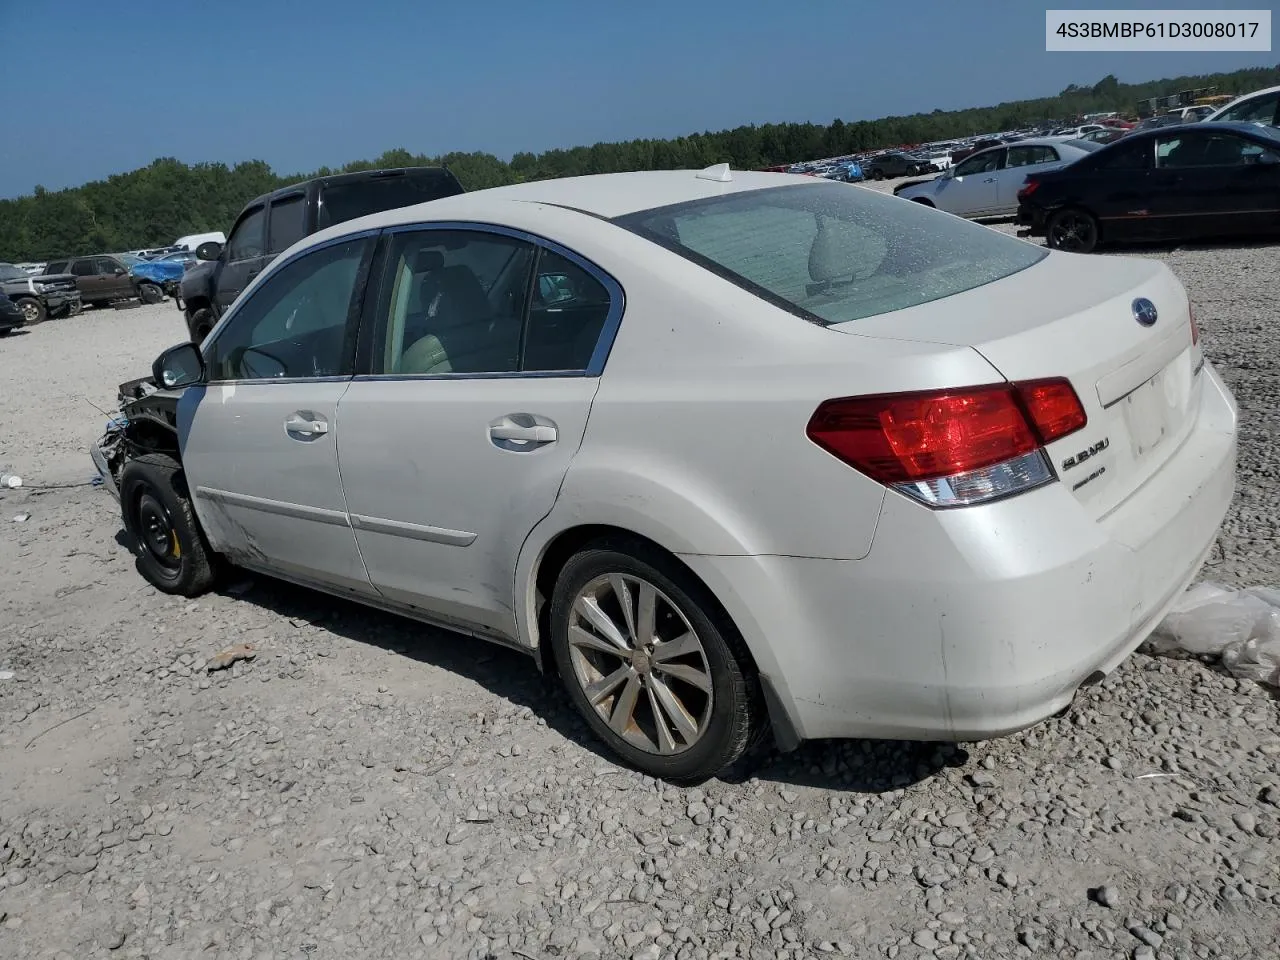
[868,613]
[262,496]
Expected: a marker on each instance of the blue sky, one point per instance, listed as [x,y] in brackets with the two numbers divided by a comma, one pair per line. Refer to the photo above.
[110,88]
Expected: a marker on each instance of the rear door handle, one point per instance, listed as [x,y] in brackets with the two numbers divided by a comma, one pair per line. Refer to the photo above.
[535,434]
[305,425]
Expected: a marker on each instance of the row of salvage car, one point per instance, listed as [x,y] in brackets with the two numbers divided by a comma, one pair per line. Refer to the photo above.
[1190,181]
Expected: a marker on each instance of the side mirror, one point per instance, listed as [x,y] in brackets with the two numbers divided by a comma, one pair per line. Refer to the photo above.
[209,250]
[119,271]
[1269,158]
[178,367]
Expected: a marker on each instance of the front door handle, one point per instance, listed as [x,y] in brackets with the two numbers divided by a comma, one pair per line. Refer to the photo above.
[305,425]
[989,180]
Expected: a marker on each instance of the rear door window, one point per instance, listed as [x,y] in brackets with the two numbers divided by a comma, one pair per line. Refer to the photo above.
[287,223]
[340,202]
[84,268]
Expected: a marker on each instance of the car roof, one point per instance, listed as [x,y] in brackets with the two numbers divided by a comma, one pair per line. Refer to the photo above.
[1235,126]
[336,179]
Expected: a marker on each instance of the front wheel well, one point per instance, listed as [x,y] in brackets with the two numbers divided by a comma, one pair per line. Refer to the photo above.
[925,200]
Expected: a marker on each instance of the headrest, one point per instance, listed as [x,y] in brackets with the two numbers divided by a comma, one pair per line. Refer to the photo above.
[428,260]
[828,258]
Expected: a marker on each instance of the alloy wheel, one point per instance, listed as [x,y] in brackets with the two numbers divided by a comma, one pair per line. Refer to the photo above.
[1073,232]
[30,310]
[640,664]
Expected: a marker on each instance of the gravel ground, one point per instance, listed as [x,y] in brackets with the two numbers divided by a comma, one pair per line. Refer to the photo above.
[367,787]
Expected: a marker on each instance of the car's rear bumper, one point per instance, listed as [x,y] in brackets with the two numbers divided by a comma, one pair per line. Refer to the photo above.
[11,321]
[1032,219]
[977,622]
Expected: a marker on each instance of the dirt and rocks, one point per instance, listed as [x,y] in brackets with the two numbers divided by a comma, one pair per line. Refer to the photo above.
[368,787]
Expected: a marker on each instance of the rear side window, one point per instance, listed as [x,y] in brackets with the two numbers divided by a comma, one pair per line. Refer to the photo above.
[832,252]
[1026,156]
[58,266]
[341,202]
[1125,156]
[84,268]
[287,223]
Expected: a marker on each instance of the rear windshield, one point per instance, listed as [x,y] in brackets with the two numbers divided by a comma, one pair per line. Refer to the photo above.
[340,202]
[833,252]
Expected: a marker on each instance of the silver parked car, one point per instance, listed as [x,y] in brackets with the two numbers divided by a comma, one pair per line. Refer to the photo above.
[986,184]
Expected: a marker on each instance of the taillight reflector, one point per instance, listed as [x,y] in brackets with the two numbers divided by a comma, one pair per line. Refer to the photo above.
[1028,188]
[912,440]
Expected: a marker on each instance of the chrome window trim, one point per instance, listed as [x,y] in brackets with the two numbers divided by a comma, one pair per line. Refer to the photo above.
[270,271]
[608,331]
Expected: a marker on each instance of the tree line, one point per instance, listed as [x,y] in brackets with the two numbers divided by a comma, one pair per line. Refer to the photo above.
[166,199]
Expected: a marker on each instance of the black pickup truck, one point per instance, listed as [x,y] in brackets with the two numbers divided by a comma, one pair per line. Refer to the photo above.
[272,223]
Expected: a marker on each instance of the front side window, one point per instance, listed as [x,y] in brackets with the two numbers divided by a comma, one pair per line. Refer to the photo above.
[295,324]
[834,253]
[982,163]
[246,240]
[453,301]
[109,267]
[1263,109]
[58,266]
[288,222]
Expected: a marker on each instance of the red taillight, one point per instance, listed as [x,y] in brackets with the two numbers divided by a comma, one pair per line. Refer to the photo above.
[1028,188]
[1053,407]
[988,438]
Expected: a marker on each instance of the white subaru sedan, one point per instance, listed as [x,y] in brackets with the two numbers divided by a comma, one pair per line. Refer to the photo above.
[727,452]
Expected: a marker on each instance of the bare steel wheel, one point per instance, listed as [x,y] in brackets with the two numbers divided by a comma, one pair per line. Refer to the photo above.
[651,661]
[640,664]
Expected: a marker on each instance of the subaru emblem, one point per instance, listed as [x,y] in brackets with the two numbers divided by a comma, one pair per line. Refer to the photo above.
[1144,311]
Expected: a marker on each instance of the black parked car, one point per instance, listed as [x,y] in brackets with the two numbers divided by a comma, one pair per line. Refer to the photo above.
[272,223]
[889,165]
[11,317]
[1174,183]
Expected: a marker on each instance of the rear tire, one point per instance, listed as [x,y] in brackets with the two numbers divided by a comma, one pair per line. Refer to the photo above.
[33,310]
[150,293]
[1072,230]
[708,696]
[171,550]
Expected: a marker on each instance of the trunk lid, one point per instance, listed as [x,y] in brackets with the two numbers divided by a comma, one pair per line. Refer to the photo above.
[1074,316]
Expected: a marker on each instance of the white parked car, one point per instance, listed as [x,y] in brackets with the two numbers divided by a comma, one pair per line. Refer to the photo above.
[721,450]
[986,184]
[1261,106]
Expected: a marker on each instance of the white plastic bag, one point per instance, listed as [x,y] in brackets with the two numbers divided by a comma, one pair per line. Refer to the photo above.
[1240,626]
